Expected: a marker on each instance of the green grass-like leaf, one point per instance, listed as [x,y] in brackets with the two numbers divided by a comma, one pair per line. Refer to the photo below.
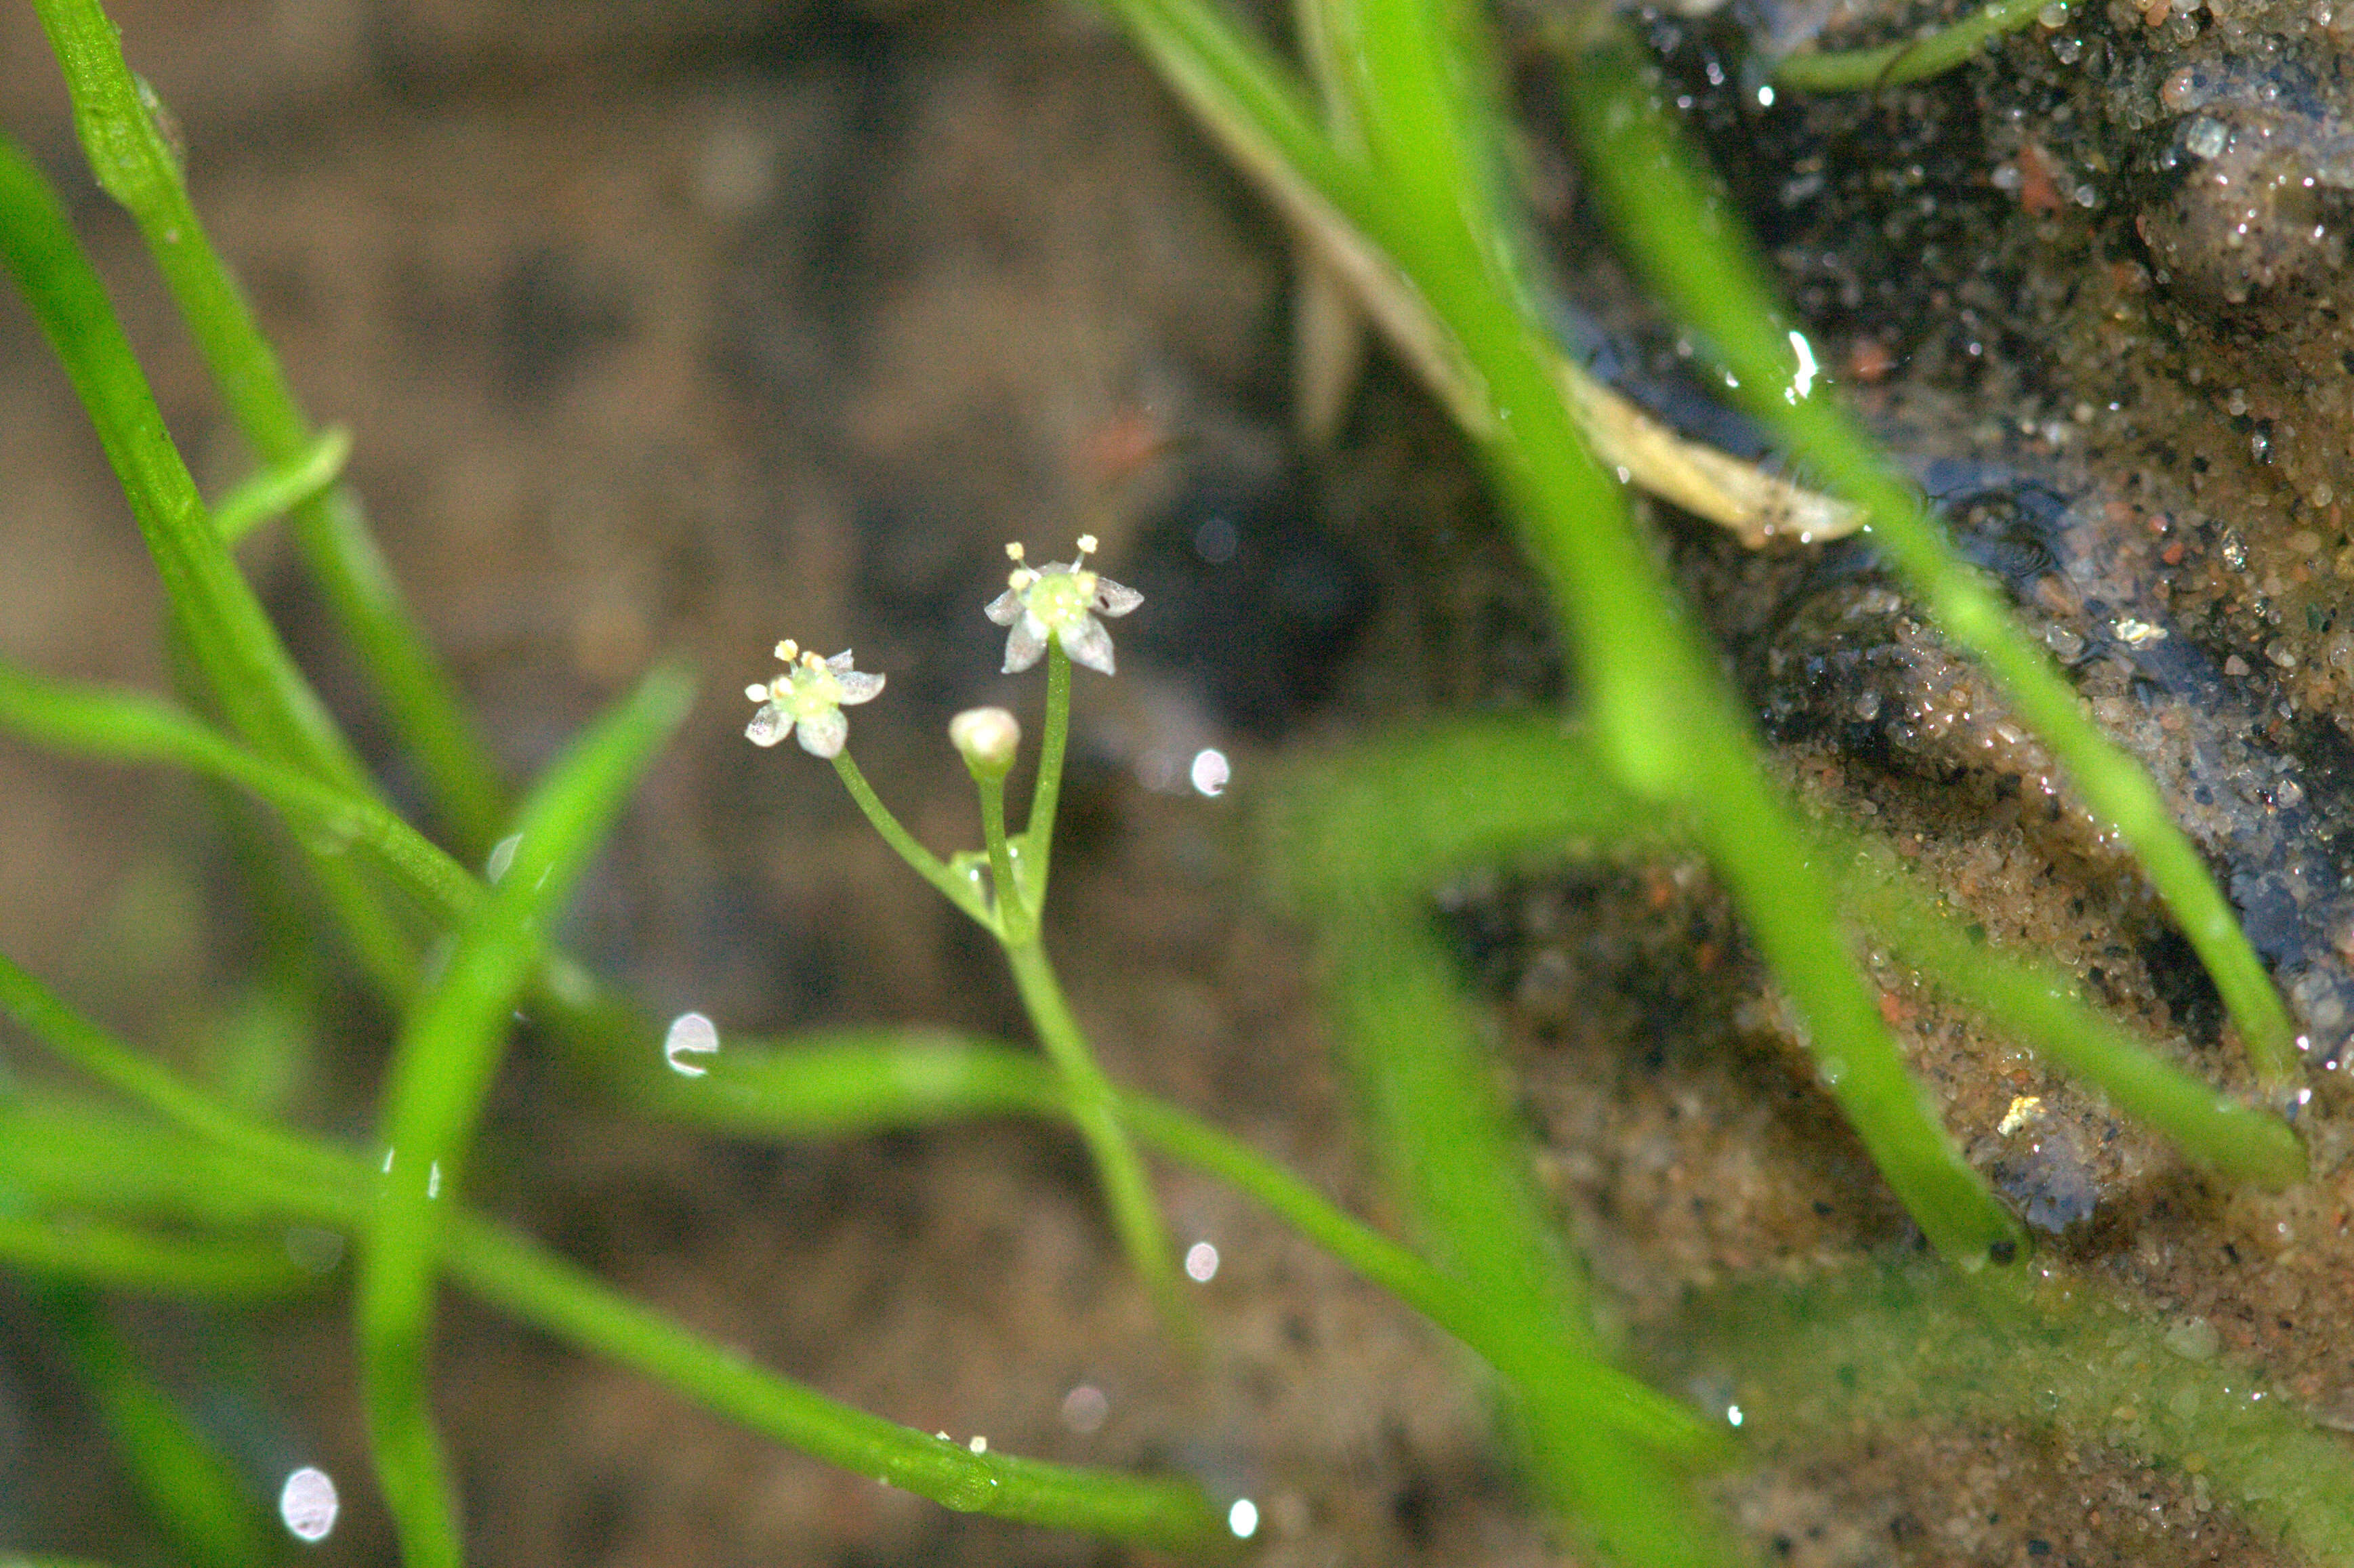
[863,1082]
[104,1255]
[448,1050]
[136,164]
[218,1166]
[1541,799]
[187,1482]
[1708,273]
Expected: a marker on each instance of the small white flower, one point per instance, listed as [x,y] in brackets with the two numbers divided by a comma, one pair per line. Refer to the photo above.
[1061,601]
[809,695]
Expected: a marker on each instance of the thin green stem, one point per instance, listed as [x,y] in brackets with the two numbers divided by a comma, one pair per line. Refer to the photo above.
[1787,900]
[136,165]
[1456,1156]
[1046,793]
[1894,65]
[2040,1009]
[245,666]
[97,721]
[533,1285]
[278,489]
[1665,723]
[958,890]
[1395,817]
[1136,1216]
[448,1050]
[1017,917]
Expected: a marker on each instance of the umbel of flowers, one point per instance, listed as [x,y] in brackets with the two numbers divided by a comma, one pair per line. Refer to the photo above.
[1003,886]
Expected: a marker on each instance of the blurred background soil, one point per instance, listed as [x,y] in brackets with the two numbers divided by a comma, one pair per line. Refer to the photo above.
[680,328]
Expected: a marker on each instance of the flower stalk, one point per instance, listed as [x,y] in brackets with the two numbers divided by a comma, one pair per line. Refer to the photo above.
[1052,613]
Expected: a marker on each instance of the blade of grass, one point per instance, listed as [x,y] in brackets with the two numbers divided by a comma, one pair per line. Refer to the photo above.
[1695,258]
[1431,1103]
[1917,60]
[246,668]
[1503,790]
[441,1068]
[1662,719]
[90,720]
[99,1255]
[66,1158]
[533,1285]
[135,165]
[2038,1006]
[187,1482]
[1394,816]
[869,1081]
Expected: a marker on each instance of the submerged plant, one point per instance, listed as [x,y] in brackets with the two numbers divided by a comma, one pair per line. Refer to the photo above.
[188,1195]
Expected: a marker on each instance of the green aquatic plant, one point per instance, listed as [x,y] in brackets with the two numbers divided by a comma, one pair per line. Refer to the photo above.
[187,1195]
[1917,60]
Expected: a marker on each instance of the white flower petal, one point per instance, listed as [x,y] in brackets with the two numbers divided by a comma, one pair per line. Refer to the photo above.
[1088,643]
[1115,598]
[1005,608]
[823,734]
[858,685]
[1025,645]
[769,725]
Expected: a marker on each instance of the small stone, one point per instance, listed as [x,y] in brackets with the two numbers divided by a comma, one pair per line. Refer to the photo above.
[2193,1339]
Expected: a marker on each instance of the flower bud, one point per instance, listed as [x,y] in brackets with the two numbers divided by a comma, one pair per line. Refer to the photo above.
[988,738]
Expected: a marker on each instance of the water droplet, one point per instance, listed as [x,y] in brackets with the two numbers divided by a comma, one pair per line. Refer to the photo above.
[1243,1518]
[1210,771]
[1201,1262]
[1084,1408]
[691,1034]
[503,855]
[308,1504]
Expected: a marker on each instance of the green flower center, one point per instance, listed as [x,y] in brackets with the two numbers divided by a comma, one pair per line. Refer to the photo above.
[812,690]
[1062,600]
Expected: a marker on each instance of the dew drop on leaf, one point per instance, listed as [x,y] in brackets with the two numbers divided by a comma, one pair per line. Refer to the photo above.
[308,1504]
[691,1034]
